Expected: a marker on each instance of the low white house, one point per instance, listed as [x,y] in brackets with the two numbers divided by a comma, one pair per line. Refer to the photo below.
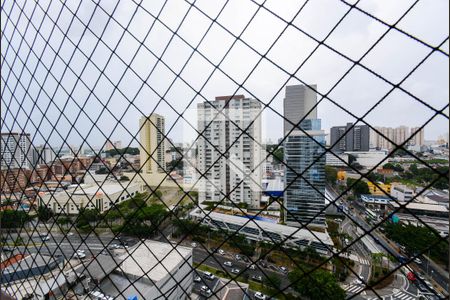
[103,197]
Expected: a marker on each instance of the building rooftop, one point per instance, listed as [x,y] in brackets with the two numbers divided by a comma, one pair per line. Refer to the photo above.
[306,234]
[99,267]
[423,206]
[153,260]
[375,199]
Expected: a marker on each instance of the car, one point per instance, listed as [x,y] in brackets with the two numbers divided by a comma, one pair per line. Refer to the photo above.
[81,251]
[45,238]
[221,252]
[257,278]
[197,279]
[69,233]
[428,284]
[417,261]
[209,276]
[422,287]
[263,263]
[235,271]
[260,296]
[113,246]
[338,220]
[360,280]
[237,256]
[205,291]
[79,255]
[252,267]
[283,269]
[99,296]
[194,245]
[228,264]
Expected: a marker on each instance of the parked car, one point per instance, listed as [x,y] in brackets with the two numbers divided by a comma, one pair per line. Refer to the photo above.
[209,276]
[417,261]
[237,256]
[221,252]
[257,278]
[260,296]
[194,245]
[235,271]
[283,269]
[197,279]
[205,291]
[252,267]
[228,264]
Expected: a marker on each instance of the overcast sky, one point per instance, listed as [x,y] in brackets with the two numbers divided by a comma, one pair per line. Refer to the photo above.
[135,74]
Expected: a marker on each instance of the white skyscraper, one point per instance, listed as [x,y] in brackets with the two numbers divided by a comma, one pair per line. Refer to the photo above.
[16,151]
[229,159]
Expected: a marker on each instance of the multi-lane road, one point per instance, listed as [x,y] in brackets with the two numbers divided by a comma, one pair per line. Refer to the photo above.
[355,226]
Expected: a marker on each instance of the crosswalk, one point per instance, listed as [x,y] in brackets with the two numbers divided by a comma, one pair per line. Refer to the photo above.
[400,295]
[354,288]
[363,261]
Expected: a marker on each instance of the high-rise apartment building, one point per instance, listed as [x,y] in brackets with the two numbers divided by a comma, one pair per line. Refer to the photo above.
[152,144]
[397,135]
[418,136]
[348,138]
[228,158]
[305,160]
[44,155]
[16,151]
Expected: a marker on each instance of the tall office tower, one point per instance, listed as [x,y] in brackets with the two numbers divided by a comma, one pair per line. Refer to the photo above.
[237,173]
[16,151]
[299,100]
[152,140]
[418,136]
[348,138]
[305,160]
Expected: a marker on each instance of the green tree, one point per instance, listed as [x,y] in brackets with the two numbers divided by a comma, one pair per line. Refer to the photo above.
[13,218]
[272,281]
[418,239]
[319,284]
[87,216]
[44,213]
[360,188]
[124,178]
[331,175]
[278,154]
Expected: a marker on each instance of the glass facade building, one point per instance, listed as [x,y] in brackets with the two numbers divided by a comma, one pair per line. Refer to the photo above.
[305,175]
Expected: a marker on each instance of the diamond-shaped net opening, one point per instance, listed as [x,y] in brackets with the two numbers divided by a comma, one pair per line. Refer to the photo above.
[224,149]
